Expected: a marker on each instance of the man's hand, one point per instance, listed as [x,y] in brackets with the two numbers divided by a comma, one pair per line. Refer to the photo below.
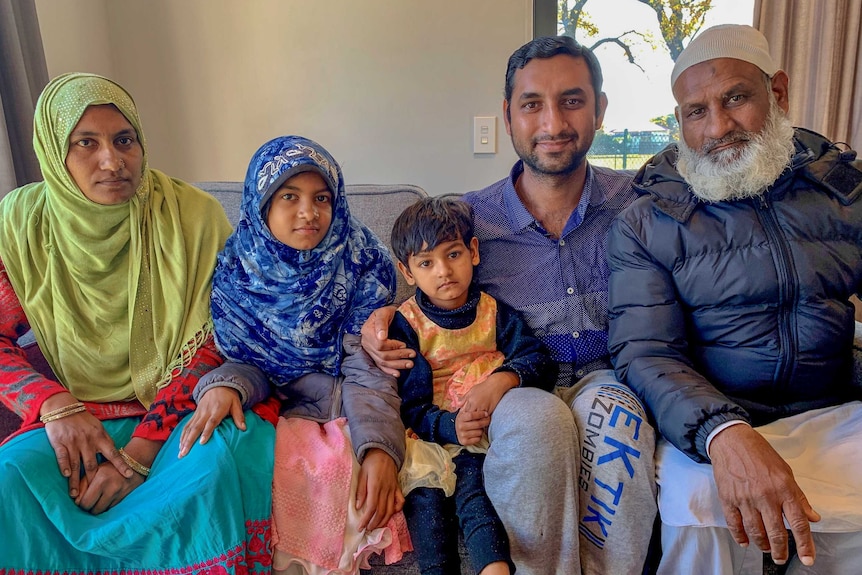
[390,355]
[76,440]
[215,405]
[378,495]
[757,491]
[471,425]
[486,395]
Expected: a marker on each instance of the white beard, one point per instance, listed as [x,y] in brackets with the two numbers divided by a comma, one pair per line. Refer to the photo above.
[735,174]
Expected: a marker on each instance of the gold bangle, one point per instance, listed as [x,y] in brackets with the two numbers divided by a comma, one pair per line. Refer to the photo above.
[137,466]
[63,412]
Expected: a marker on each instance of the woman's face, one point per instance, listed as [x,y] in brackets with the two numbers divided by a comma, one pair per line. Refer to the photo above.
[105,156]
[300,211]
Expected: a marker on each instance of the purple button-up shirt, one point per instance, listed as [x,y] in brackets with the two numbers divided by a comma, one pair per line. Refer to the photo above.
[559,285]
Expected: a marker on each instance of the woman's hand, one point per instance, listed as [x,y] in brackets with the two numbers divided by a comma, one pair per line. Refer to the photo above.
[76,439]
[107,487]
[214,406]
[378,495]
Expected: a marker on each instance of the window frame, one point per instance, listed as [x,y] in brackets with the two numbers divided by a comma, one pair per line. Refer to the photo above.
[544,18]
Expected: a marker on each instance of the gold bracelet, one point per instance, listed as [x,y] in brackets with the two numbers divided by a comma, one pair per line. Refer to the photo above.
[64,411]
[134,464]
[64,408]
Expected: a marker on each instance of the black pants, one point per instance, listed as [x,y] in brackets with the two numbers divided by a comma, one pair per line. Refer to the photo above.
[433,520]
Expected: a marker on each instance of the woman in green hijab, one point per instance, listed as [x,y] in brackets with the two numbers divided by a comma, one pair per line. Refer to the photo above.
[110,263]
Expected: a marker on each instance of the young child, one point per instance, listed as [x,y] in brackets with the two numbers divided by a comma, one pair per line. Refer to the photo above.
[293,286]
[470,350]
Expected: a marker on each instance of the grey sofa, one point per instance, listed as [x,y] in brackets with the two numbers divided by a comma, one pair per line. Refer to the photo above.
[377,206]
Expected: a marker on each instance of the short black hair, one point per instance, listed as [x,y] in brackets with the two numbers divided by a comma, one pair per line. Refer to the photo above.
[428,223]
[548,47]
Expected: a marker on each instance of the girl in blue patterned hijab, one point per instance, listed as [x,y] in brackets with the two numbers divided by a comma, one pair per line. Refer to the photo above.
[292,288]
[285,309]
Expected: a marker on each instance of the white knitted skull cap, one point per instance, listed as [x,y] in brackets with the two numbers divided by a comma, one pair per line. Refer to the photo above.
[726,41]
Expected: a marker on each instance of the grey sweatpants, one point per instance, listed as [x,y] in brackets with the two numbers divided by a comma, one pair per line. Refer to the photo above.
[572,477]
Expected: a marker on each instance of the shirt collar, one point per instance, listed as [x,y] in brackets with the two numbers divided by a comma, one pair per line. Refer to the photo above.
[520,218]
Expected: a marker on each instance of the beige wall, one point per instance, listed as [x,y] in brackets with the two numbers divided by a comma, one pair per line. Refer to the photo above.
[76,36]
[390,87]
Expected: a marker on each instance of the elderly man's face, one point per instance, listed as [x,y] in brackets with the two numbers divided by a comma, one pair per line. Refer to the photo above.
[722,102]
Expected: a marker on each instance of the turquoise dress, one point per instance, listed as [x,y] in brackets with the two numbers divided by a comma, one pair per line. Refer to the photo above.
[208,512]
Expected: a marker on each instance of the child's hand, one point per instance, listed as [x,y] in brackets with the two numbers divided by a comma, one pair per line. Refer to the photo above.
[378,494]
[216,404]
[486,395]
[470,425]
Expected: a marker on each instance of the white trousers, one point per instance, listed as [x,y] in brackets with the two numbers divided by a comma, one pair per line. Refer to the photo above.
[823,448]
[705,550]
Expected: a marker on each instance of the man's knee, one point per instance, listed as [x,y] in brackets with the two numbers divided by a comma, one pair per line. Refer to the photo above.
[532,417]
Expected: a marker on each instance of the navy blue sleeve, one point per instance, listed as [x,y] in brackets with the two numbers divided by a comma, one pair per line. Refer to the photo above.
[648,342]
[415,386]
[525,354]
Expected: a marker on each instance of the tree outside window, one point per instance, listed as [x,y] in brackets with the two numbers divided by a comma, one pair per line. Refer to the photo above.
[637,43]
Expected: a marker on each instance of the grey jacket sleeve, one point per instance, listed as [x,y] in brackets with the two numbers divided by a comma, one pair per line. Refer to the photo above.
[371,403]
[250,382]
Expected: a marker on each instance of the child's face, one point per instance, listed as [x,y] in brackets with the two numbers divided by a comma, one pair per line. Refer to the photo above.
[300,211]
[444,273]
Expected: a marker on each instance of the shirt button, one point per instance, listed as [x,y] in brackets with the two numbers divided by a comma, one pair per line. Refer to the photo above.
[580,373]
[562,242]
[576,334]
[570,291]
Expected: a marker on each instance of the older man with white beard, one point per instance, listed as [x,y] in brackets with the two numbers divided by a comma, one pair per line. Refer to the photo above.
[729,316]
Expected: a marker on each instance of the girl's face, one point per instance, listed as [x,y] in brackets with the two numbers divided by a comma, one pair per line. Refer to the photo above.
[300,211]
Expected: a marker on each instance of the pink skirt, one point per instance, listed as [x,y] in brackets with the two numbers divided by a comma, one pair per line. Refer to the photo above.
[314,521]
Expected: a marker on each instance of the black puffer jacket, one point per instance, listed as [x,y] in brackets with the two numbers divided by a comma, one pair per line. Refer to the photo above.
[738,310]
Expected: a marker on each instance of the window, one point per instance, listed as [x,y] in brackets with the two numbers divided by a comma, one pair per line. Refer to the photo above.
[636,63]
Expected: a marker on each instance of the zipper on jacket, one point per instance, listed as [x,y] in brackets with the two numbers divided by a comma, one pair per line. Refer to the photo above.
[787,288]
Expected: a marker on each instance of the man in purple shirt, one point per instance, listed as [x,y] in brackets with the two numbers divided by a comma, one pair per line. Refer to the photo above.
[571,474]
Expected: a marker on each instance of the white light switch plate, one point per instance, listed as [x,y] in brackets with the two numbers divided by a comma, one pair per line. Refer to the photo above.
[485,134]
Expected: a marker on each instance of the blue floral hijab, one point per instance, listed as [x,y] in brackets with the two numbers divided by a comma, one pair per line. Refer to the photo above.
[285,310]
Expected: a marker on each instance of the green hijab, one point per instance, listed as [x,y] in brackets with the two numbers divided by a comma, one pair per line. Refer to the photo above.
[118,296]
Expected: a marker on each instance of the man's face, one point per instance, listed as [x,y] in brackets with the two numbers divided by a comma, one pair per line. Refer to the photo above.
[723,101]
[737,139]
[551,116]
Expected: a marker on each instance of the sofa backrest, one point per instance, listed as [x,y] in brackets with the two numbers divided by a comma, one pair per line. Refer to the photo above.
[374,205]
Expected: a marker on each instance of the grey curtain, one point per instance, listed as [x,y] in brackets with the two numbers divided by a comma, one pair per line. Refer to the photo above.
[24,74]
[819,44]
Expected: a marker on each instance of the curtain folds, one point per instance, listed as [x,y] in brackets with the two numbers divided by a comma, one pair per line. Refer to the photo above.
[819,44]
[25,73]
